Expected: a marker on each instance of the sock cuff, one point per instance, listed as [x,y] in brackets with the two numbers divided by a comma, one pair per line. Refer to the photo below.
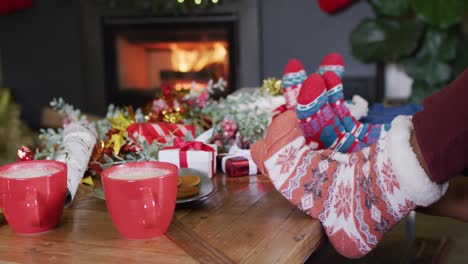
[414,181]
[293,78]
[339,70]
[306,110]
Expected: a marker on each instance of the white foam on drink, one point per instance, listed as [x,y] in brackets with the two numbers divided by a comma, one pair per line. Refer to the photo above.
[138,173]
[25,172]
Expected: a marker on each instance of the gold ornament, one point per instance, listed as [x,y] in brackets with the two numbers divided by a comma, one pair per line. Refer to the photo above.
[119,124]
[98,151]
[116,141]
[272,86]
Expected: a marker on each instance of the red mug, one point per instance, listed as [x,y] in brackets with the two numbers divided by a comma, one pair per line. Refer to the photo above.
[32,194]
[141,206]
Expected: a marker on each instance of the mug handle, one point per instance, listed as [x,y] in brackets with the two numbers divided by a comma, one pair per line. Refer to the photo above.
[32,207]
[149,207]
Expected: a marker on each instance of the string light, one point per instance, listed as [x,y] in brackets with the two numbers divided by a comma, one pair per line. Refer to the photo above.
[197,2]
[180,1]
[214,1]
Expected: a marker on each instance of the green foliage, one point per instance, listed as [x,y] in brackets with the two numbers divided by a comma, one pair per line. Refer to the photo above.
[13,132]
[431,64]
[390,7]
[246,110]
[425,36]
[439,13]
[385,39]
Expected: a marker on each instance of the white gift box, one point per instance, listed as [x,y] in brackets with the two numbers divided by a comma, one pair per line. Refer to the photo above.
[201,160]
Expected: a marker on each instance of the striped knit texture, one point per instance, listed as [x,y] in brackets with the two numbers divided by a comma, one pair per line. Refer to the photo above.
[293,77]
[319,124]
[366,133]
[332,62]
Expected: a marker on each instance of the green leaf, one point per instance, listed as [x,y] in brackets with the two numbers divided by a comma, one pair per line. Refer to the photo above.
[428,69]
[440,13]
[461,60]
[422,90]
[390,7]
[441,44]
[384,39]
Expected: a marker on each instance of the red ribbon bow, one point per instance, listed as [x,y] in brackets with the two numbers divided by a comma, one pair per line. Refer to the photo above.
[185,146]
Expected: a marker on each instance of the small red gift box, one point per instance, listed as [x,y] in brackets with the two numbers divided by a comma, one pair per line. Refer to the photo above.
[161,132]
[238,162]
[239,166]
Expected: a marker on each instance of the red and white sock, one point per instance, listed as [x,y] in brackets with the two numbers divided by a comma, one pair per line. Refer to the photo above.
[321,127]
[367,133]
[293,77]
[332,62]
[358,197]
[358,106]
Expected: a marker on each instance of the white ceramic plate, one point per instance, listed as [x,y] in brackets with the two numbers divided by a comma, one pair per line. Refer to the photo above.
[206,186]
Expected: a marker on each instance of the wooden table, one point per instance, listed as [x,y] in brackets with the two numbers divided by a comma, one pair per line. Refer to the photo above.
[244,221]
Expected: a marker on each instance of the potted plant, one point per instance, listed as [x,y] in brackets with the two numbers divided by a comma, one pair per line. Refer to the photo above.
[427,38]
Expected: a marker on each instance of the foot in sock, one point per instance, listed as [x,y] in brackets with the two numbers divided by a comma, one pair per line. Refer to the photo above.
[357,197]
[321,127]
[366,133]
[293,77]
[332,62]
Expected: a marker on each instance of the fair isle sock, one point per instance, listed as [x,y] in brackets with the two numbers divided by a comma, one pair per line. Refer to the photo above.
[357,197]
[335,63]
[332,62]
[321,127]
[366,133]
[293,77]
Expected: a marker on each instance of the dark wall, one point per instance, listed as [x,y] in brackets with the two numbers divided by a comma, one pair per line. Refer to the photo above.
[41,55]
[41,47]
[299,29]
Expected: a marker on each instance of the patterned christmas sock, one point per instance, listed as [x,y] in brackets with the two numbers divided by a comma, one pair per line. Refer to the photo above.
[321,127]
[293,77]
[358,107]
[367,133]
[358,197]
[332,62]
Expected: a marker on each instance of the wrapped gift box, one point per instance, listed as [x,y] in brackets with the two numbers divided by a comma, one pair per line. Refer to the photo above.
[239,166]
[191,154]
[238,162]
[161,132]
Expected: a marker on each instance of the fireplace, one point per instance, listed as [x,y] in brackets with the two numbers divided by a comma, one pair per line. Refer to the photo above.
[142,54]
[127,55]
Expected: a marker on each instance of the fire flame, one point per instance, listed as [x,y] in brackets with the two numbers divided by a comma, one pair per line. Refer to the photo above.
[187,60]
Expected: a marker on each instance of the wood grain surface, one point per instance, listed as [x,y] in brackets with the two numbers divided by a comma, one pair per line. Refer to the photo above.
[244,221]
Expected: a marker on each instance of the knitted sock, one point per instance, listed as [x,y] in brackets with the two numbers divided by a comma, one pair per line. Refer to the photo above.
[293,77]
[367,133]
[321,127]
[332,62]
[357,197]
[358,106]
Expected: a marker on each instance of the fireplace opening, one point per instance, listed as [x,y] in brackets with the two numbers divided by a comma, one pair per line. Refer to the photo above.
[142,54]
